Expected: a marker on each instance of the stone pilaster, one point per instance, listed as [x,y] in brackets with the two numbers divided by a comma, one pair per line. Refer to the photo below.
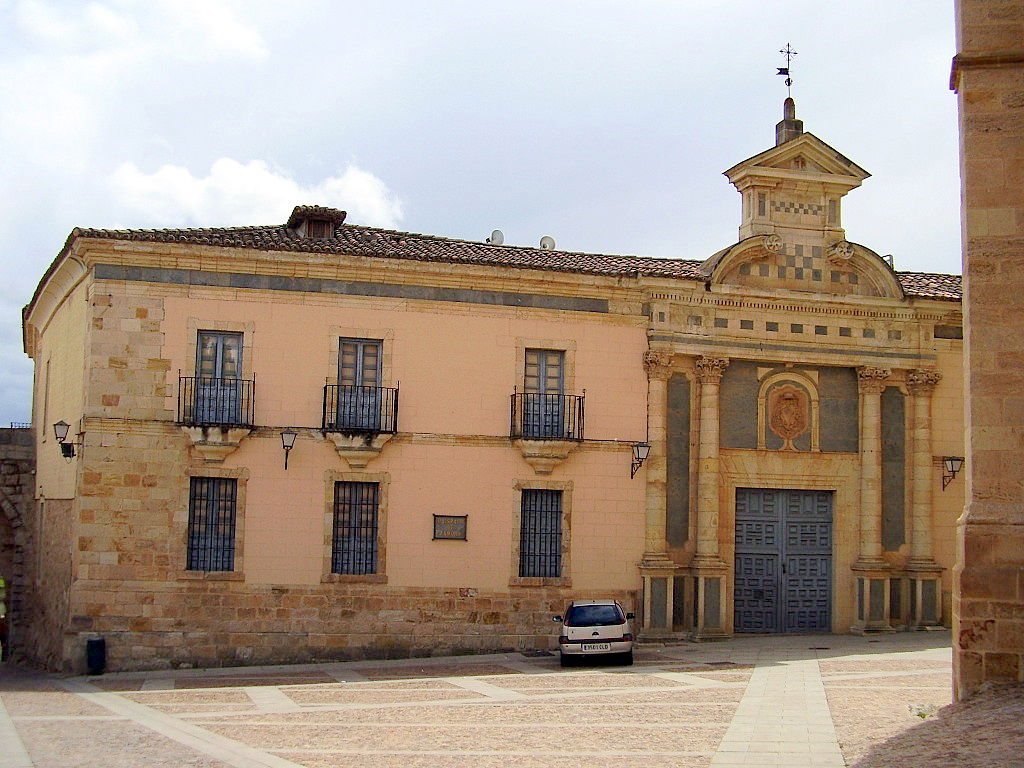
[871,572]
[656,569]
[709,570]
[988,585]
[925,574]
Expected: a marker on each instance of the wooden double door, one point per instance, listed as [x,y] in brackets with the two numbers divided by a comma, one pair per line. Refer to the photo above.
[783,561]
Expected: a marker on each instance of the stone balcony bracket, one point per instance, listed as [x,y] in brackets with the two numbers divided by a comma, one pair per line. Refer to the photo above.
[215,444]
[359,448]
[545,455]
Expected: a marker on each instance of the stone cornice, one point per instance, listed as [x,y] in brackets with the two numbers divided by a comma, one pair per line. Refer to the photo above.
[964,61]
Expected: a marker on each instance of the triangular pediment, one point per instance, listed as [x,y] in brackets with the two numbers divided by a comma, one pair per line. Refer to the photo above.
[816,157]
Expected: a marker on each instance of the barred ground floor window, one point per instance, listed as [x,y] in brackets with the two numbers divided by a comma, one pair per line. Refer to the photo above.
[354,548]
[212,515]
[540,533]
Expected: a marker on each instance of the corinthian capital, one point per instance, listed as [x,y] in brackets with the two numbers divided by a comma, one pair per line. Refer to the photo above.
[872,380]
[658,363]
[922,381]
[710,369]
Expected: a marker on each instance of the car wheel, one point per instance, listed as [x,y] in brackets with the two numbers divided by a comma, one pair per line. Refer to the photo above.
[626,659]
[565,661]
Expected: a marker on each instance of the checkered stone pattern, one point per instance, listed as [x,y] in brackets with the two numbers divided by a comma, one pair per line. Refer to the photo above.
[804,209]
[792,264]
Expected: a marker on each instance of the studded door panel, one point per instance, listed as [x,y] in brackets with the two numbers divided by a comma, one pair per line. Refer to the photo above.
[783,561]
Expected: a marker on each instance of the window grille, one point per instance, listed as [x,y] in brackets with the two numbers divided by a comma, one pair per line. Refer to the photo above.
[540,533]
[211,523]
[354,548]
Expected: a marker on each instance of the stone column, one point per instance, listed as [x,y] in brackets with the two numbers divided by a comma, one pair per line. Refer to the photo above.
[871,571]
[988,583]
[709,570]
[924,572]
[656,569]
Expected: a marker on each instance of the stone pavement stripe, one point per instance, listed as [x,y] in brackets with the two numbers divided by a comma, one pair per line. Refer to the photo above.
[213,745]
[526,667]
[782,719]
[893,673]
[493,752]
[271,699]
[12,751]
[486,689]
[674,725]
[695,680]
[327,708]
[75,718]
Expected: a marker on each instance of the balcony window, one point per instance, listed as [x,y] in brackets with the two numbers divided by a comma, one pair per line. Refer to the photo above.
[357,403]
[217,395]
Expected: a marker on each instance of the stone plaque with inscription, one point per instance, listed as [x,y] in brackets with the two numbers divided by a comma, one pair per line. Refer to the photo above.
[450,527]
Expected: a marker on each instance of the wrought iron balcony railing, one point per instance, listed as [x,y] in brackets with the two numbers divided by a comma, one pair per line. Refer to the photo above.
[206,401]
[537,416]
[349,408]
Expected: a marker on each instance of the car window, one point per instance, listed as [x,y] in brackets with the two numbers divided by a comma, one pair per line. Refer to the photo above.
[593,616]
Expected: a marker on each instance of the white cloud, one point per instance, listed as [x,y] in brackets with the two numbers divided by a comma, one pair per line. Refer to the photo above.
[238,194]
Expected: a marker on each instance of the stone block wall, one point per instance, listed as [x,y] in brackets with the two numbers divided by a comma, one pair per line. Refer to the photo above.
[148,625]
[17,536]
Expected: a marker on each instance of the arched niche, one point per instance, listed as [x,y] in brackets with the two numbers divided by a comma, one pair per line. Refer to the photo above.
[787,412]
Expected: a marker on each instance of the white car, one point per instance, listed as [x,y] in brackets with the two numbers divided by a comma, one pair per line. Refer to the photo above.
[595,627]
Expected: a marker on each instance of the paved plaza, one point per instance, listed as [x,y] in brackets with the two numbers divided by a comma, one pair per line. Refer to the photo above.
[815,700]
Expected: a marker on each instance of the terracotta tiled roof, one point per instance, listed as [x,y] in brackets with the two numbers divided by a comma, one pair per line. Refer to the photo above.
[932,286]
[384,243]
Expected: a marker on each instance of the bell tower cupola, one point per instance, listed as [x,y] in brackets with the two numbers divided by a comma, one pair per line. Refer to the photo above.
[795,189]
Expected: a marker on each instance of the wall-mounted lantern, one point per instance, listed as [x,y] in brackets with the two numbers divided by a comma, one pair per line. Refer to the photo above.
[60,431]
[951,465]
[288,442]
[640,453]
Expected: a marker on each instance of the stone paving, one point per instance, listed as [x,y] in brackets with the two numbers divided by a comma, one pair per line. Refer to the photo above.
[796,701]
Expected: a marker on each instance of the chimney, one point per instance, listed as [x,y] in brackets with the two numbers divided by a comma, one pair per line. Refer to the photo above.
[790,127]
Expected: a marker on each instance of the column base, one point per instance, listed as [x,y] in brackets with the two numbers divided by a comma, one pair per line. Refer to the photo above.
[657,573]
[872,598]
[925,595]
[709,598]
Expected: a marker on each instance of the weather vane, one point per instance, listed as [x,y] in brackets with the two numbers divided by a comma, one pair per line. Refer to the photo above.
[789,53]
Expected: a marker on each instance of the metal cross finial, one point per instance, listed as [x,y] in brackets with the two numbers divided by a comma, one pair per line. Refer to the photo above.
[789,53]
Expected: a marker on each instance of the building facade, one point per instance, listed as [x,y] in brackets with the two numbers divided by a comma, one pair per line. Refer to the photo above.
[320,440]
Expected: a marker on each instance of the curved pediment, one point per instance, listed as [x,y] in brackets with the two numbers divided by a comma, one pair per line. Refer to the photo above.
[769,263]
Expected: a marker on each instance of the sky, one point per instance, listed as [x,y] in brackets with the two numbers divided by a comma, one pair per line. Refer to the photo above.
[605,124]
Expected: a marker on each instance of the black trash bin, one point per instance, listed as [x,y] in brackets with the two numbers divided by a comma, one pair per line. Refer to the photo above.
[95,655]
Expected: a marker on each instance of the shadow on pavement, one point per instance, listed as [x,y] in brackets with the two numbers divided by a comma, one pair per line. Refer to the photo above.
[986,731]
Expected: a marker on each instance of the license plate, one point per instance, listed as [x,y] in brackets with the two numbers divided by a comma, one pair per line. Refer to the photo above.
[597,646]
